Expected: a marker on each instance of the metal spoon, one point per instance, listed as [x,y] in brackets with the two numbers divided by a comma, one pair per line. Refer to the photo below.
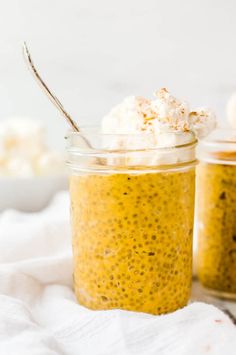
[52,97]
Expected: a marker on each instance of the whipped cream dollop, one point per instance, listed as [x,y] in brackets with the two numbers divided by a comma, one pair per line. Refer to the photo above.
[163,114]
[164,121]
[24,152]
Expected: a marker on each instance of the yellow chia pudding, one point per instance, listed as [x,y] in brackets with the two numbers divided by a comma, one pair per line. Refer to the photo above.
[216,260]
[132,205]
[132,240]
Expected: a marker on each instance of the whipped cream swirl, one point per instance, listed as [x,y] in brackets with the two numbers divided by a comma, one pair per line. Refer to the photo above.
[165,113]
[139,123]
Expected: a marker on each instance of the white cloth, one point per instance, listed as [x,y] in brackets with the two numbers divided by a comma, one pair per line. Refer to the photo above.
[39,315]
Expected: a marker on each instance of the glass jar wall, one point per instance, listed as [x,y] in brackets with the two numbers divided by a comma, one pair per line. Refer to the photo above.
[216,206]
[132,222]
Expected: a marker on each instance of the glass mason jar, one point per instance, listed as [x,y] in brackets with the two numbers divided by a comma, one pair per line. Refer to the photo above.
[132,220]
[216,206]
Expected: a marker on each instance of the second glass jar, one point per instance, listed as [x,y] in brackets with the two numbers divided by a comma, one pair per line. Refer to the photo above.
[216,206]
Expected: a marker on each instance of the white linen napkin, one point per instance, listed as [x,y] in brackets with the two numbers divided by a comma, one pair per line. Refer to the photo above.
[39,314]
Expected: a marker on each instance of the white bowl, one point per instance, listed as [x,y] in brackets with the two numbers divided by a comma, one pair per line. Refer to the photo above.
[30,194]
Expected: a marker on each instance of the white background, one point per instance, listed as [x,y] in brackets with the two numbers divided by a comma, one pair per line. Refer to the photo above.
[94,53]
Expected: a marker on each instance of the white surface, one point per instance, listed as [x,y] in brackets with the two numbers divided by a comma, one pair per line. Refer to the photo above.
[30,194]
[39,315]
[94,53]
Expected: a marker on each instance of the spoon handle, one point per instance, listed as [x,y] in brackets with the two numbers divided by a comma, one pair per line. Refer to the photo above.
[51,96]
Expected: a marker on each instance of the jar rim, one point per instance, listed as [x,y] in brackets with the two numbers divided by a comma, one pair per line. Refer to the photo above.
[219,147]
[87,132]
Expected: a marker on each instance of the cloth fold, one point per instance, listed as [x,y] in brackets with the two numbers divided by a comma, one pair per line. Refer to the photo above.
[39,313]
